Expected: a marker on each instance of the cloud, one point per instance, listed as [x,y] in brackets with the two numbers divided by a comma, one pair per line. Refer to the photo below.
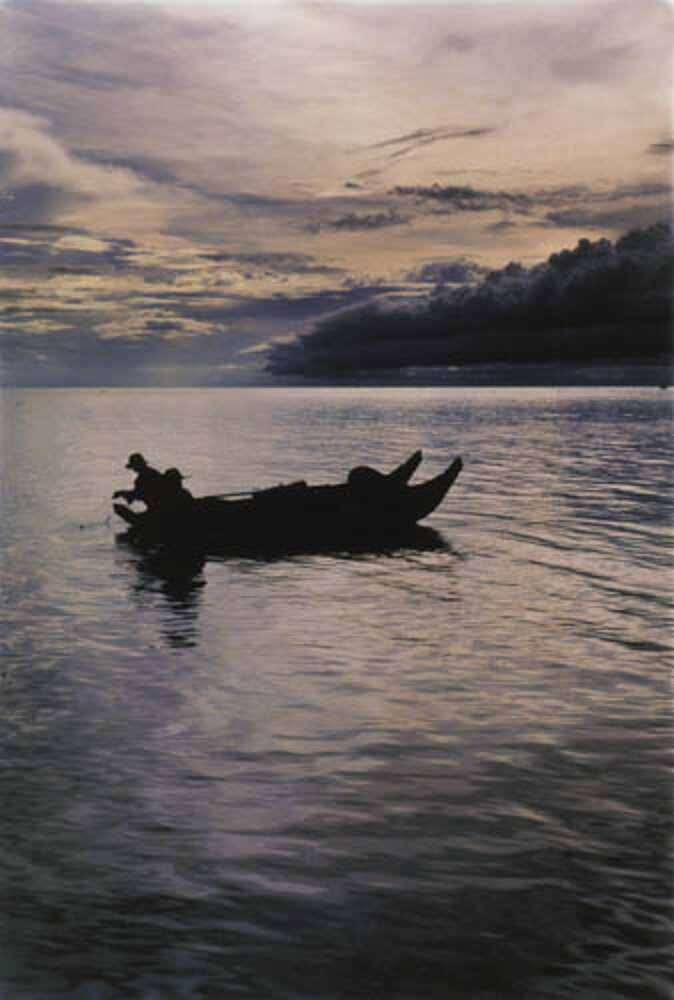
[74,309]
[641,203]
[595,63]
[502,226]
[599,300]
[150,168]
[274,262]
[354,222]
[615,219]
[404,144]
[141,105]
[164,167]
[464,198]
[603,44]
[662,148]
[626,206]
[35,251]
[447,272]
[38,202]
[42,181]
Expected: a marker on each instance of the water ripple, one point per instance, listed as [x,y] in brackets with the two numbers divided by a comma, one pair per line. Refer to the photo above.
[424,773]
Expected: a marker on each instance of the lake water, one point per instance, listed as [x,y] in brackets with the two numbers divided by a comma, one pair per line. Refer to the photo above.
[419,774]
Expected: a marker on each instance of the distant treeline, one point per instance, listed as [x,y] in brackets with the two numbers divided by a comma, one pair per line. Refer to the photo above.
[599,301]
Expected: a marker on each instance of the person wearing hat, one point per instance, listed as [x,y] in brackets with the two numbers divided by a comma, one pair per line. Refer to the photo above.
[176,499]
[150,485]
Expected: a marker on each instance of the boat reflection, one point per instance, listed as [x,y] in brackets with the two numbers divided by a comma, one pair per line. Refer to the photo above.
[177,576]
[177,573]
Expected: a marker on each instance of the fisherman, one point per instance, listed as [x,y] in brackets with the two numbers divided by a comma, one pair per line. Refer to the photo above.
[176,499]
[367,483]
[150,485]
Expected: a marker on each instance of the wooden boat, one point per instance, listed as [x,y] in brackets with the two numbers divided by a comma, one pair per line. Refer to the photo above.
[369,506]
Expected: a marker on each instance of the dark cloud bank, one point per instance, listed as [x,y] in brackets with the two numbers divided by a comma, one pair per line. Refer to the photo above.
[600,302]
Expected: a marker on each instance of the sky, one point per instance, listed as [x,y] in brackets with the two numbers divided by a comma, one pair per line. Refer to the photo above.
[185,187]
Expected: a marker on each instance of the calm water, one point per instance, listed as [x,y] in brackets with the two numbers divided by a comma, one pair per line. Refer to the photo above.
[420,774]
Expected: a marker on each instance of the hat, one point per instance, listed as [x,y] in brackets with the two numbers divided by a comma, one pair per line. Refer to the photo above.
[135,459]
[174,474]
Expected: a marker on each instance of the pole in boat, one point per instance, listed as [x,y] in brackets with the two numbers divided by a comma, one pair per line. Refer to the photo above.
[228,496]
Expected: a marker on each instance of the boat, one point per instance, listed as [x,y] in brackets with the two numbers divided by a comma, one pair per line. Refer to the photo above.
[369,507]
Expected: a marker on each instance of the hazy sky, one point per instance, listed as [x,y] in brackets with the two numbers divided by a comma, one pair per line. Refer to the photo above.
[182,184]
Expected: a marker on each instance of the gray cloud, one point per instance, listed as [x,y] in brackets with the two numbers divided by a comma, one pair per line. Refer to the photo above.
[38,202]
[447,272]
[574,205]
[92,48]
[646,189]
[464,198]
[662,148]
[602,43]
[41,181]
[161,166]
[354,222]
[607,218]
[502,226]
[599,300]
[151,168]
[37,251]
[57,331]
[122,96]
[404,144]
[274,262]
[595,63]
[624,207]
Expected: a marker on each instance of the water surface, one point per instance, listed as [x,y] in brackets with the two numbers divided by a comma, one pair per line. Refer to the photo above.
[420,773]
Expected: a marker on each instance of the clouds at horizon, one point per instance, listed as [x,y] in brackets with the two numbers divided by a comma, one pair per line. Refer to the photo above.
[198,180]
[598,301]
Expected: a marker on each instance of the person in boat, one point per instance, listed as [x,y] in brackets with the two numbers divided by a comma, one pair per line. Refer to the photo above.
[366,483]
[150,485]
[176,499]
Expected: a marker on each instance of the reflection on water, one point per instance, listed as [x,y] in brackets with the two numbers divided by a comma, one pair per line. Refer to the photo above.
[176,571]
[176,574]
[437,771]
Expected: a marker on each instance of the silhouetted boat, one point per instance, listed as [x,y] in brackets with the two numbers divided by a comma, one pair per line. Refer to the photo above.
[368,508]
